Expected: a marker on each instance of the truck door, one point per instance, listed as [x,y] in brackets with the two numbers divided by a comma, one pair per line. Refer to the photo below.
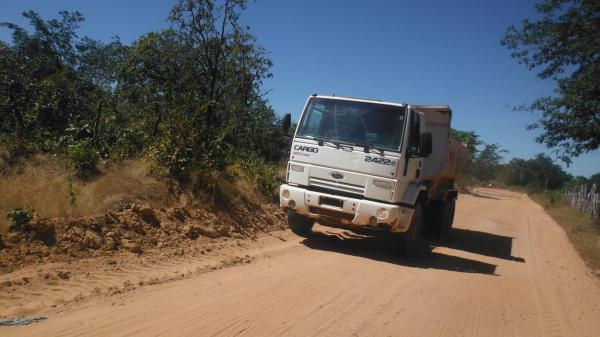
[412,169]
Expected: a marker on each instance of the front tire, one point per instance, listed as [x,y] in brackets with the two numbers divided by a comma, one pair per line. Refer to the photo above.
[410,243]
[299,224]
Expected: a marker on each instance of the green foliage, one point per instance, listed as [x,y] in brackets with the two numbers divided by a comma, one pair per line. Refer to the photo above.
[577,181]
[71,195]
[188,97]
[540,173]
[553,196]
[83,157]
[173,156]
[56,89]
[594,179]
[536,175]
[563,45]
[486,164]
[470,138]
[262,174]
[19,217]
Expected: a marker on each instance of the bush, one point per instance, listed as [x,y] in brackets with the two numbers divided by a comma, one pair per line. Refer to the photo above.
[553,196]
[261,173]
[16,148]
[19,217]
[172,158]
[83,157]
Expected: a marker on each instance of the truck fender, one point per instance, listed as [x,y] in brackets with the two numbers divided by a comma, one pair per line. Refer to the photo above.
[412,192]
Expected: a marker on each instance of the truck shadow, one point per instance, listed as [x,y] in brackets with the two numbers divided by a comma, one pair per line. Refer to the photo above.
[383,249]
[492,194]
[482,243]
[483,195]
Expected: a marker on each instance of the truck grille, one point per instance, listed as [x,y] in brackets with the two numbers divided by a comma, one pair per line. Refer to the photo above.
[337,186]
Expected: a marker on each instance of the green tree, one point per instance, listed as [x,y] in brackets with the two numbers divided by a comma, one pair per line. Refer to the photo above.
[470,138]
[219,114]
[487,162]
[153,82]
[564,44]
[594,179]
[54,86]
[40,91]
[190,97]
[539,172]
[99,67]
[577,181]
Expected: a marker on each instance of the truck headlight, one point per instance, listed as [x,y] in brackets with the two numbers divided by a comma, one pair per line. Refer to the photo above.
[297,168]
[382,213]
[382,184]
[285,194]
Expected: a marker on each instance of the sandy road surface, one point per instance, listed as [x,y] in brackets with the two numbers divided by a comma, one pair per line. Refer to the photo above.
[509,271]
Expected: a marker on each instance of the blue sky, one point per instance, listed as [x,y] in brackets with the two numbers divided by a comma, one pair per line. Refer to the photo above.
[402,51]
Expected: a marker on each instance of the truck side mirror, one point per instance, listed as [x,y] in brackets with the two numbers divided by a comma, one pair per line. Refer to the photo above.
[425,144]
[286,122]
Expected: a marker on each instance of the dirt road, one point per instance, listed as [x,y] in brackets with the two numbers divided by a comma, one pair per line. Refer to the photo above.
[509,271]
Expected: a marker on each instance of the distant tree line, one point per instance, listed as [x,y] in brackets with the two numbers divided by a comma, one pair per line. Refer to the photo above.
[539,173]
[188,96]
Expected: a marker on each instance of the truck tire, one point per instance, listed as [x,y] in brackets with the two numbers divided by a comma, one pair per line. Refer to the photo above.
[432,219]
[447,218]
[409,243]
[299,224]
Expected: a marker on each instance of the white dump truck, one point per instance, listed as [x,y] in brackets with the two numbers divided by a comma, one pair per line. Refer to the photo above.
[373,166]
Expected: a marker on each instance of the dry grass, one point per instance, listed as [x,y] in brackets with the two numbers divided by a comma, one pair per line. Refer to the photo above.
[582,229]
[41,183]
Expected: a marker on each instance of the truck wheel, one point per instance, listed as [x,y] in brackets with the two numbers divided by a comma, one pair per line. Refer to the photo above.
[409,243]
[300,224]
[432,219]
[447,218]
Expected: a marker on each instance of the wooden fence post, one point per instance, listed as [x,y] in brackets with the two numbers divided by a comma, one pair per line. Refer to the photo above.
[584,201]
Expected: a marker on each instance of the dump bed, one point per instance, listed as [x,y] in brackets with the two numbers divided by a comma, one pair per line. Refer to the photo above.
[449,158]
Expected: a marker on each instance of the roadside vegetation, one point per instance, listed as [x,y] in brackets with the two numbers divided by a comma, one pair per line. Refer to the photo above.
[188,97]
[582,229]
[187,100]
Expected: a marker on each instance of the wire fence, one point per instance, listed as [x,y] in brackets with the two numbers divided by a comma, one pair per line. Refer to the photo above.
[584,200]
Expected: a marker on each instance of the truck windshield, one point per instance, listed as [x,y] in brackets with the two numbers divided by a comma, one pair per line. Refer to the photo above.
[376,125]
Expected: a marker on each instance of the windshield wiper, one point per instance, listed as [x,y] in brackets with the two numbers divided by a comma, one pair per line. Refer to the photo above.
[368,147]
[346,144]
[322,141]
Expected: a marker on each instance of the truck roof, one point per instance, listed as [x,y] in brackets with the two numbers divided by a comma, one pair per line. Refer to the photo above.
[444,108]
[368,100]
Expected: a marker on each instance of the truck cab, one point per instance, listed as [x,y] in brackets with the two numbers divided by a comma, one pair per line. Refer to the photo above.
[360,164]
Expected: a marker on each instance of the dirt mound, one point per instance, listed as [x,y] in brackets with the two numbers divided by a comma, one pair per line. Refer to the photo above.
[132,227]
[40,183]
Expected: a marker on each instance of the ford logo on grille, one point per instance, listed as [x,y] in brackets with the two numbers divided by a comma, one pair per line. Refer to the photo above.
[337,175]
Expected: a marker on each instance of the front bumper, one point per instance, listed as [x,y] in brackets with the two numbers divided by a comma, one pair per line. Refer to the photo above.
[351,212]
